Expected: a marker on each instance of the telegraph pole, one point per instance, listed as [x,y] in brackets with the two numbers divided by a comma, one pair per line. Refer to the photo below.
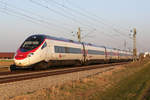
[134,45]
[79,34]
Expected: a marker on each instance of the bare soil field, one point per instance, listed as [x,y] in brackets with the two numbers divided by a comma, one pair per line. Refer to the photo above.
[90,88]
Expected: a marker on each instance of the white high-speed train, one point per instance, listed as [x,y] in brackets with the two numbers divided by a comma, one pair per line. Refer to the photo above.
[42,51]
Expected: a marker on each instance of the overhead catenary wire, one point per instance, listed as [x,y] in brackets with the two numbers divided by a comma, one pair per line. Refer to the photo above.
[71,12]
[59,13]
[38,17]
[97,18]
[55,11]
[109,37]
[29,18]
[88,16]
[58,29]
[12,13]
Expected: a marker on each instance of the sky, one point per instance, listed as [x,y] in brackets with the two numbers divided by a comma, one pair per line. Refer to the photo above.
[102,22]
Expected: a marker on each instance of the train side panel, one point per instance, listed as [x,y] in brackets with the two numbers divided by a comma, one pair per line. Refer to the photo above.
[95,54]
[64,52]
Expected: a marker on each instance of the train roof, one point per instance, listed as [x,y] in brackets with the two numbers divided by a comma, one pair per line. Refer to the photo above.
[56,38]
[72,41]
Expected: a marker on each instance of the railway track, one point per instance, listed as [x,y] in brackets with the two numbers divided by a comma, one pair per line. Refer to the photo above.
[32,71]
[7,77]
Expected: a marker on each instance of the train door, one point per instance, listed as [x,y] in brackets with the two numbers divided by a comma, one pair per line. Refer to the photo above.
[48,52]
[117,54]
[106,55]
[84,53]
[44,51]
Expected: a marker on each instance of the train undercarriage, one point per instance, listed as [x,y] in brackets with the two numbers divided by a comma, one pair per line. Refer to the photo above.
[54,63]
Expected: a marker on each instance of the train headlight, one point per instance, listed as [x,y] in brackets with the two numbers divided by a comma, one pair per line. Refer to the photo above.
[30,54]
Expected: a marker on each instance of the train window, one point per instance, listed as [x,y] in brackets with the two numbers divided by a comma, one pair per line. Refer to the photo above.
[31,43]
[96,52]
[44,45]
[66,49]
[60,49]
[56,49]
[75,50]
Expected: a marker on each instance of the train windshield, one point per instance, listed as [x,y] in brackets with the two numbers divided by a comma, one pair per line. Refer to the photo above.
[31,43]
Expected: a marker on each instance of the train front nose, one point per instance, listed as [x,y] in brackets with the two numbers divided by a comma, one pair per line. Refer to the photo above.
[24,62]
[25,54]
[21,60]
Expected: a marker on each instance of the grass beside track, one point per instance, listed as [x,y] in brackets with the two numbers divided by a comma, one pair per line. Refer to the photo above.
[6,60]
[131,82]
[133,87]
[4,64]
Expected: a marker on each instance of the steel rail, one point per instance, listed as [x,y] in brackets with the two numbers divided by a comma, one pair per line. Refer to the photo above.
[26,76]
